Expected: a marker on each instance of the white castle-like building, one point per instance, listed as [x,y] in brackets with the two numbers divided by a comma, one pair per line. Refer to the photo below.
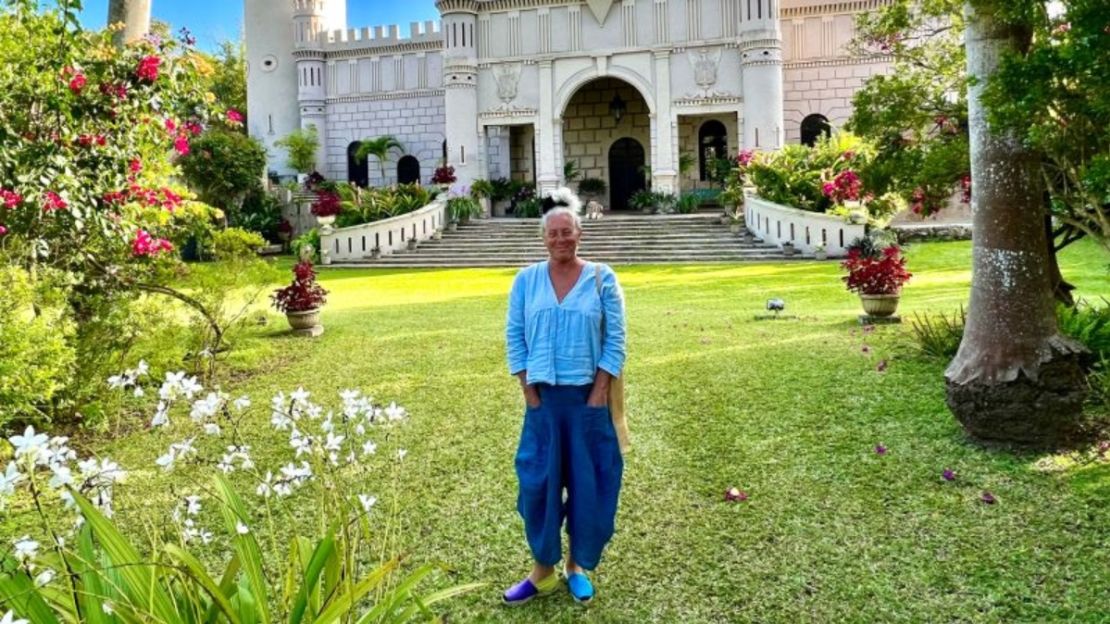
[517,88]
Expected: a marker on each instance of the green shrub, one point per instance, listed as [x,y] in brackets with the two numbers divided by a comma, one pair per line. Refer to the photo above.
[481,189]
[687,203]
[375,204]
[592,186]
[261,212]
[310,239]
[938,335]
[462,207]
[223,167]
[36,358]
[794,175]
[235,243]
[1088,325]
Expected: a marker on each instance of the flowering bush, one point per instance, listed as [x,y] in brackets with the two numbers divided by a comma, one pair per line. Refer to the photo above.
[303,294]
[81,563]
[809,178]
[845,186]
[875,271]
[444,175]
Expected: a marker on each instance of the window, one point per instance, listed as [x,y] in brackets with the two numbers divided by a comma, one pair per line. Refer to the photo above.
[813,127]
[712,144]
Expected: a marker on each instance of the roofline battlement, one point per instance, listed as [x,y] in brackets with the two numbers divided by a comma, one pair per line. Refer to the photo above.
[383,36]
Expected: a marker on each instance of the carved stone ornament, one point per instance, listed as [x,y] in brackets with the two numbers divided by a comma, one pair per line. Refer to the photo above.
[600,9]
[705,64]
[507,77]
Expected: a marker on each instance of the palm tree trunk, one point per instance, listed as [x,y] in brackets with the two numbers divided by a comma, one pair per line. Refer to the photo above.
[135,16]
[1015,378]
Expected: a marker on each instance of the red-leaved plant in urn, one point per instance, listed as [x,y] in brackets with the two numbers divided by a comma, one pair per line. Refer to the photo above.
[874,271]
[304,294]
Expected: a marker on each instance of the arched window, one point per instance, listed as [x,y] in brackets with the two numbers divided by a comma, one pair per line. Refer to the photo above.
[813,127]
[408,170]
[358,172]
[712,144]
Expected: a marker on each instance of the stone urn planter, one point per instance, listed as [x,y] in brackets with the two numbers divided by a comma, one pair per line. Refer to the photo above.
[820,253]
[788,249]
[325,221]
[437,235]
[880,306]
[305,323]
[413,244]
[452,226]
[736,227]
[376,253]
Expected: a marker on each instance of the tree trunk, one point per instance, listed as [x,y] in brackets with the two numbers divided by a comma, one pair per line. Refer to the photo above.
[135,17]
[1015,378]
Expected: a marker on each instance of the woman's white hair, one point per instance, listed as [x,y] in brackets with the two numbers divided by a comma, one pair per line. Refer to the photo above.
[575,218]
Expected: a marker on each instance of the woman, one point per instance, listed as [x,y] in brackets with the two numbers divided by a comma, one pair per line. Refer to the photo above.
[565,335]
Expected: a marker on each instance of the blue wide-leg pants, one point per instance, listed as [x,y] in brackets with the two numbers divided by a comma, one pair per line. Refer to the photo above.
[568,446]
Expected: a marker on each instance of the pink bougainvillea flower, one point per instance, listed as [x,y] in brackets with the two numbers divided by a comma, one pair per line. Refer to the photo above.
[948,474]
[146,245]
[11,199]
[85,140]
[745,158]
[148,68]
[181,144]
[735,495]
[51,201]
[234,116]
[988,498]
[882,366]
[78,82]
[194,128]
[171,125]
[880,449]
[135,165]
[3,230]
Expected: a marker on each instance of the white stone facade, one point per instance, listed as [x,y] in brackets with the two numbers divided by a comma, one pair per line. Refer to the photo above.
[516,88]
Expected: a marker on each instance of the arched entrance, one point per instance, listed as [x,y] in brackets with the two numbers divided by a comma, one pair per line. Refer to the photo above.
[408,170]
[814,127]
[606,126]
[626,172]
[712,144]
[358,172]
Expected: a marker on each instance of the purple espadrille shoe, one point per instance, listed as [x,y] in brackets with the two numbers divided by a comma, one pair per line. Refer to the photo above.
[526,590]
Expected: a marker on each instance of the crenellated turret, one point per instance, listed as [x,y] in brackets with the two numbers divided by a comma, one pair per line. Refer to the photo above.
[460,80]
[761,59]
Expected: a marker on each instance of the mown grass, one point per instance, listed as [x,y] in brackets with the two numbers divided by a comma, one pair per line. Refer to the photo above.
[789,411]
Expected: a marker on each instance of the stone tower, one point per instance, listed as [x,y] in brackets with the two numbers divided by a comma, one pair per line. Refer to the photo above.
[460,81]
[313,23]
[271,76]
[761,60]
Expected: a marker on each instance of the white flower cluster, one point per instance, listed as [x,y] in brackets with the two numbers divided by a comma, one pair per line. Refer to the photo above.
[185,515]
[566,197]
[130,379]
[35,452]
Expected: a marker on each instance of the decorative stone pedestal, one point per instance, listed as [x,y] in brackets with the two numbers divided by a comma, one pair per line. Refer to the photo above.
[867,319]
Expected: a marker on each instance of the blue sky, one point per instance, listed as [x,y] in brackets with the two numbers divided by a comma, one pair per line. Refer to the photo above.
[213,21]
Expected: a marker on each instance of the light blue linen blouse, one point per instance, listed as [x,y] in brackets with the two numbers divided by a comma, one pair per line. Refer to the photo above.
[560,343]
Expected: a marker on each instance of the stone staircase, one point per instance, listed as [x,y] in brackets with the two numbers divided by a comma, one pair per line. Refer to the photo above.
[623,239]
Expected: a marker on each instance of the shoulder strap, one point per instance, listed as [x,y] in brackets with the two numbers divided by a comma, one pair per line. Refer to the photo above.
[597,282]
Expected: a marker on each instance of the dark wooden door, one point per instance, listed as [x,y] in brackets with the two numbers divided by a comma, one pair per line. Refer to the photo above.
[626,177]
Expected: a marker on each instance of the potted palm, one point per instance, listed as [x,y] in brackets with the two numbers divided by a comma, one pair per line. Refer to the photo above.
[301,300]
[379,148]
[877,275]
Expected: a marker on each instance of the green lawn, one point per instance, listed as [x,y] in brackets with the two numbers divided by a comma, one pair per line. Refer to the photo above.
[789,411]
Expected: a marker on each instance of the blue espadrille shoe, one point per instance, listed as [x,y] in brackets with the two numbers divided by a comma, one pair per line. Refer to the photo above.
[526,590]
[581,589]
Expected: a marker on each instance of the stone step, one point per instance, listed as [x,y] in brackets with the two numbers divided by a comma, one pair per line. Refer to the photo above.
[592,248]
[418,263]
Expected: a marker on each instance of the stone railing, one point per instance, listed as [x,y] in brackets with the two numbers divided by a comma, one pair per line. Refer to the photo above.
[296,208]
[389,235]
[777,224]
